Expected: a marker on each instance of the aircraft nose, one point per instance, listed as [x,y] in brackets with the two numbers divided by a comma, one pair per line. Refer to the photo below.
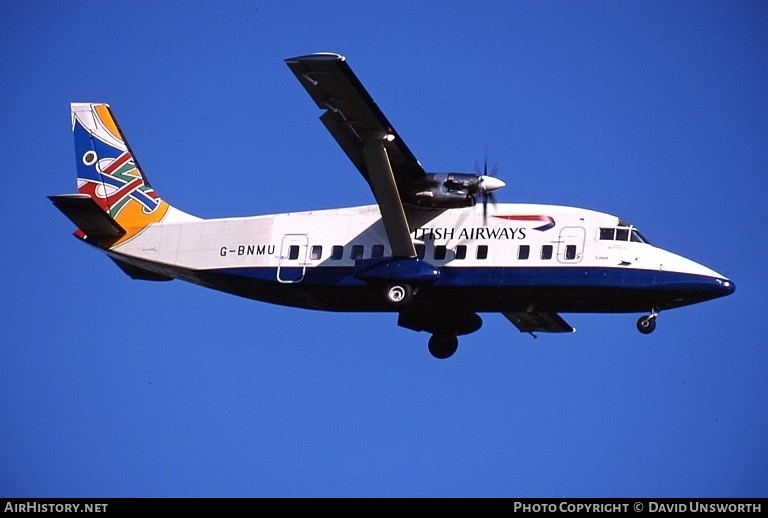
[727,286]
[491,183]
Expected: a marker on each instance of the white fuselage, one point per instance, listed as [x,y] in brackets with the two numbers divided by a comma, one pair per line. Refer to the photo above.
[336,238]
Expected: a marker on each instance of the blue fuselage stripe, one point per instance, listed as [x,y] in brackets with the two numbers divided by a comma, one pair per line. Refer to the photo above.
[517,277]
[566,289]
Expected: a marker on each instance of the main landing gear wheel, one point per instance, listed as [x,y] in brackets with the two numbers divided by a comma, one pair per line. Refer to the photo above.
[399,295]
[442,347]
[646,325]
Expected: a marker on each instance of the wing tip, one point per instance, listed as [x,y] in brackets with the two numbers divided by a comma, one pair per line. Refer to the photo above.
[317,56]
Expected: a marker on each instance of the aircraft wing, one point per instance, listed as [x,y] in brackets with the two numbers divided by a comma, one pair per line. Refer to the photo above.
[543,322]
[351,113]
[366,136]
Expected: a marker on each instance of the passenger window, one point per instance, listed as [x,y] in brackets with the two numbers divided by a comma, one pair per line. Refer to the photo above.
[622,234]
[482,251]
[357,252]
[293,252]
[337,252]
[606,234]
[570,252]
[316,252]
[421,250]
[461,252]
[377,251]
[546,252]
[440,251]
[523,251]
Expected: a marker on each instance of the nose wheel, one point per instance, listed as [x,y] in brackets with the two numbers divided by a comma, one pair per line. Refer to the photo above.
[646,325]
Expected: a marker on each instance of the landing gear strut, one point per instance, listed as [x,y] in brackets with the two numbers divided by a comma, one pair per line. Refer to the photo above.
[646,325]
[443,347]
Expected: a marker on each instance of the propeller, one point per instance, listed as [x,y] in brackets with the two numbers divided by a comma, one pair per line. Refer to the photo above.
[486,184]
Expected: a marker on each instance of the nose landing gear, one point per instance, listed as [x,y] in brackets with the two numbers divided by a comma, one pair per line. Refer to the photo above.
[646,325]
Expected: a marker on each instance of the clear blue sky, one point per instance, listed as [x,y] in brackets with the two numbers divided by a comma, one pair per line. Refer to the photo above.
[654,111]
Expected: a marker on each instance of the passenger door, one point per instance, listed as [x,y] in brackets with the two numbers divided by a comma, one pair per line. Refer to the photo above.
[293,258]
[570,247]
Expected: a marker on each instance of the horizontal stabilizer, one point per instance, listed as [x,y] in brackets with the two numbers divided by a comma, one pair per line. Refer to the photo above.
[87,215]
[543,322]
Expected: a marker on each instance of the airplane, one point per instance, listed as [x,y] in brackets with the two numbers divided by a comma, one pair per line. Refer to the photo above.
[436,248]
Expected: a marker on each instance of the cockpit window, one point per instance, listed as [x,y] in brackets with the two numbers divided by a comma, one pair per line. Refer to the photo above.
[622,233]
[637,237]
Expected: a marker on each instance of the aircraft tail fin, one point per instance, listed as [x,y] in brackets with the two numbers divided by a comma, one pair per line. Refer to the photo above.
[109,179]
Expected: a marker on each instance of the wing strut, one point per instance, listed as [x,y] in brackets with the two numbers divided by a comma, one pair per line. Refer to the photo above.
[384,188]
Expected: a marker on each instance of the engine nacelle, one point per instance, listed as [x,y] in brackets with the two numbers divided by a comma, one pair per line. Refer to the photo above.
[445,190]
[452,190]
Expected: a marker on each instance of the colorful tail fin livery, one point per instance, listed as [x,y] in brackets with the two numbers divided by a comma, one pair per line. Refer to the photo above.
[108,178]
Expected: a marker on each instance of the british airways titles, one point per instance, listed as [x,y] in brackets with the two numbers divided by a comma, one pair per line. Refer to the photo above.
[470,233]
[420,234]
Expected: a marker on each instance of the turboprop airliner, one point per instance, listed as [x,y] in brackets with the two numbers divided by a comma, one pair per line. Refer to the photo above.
[435,249]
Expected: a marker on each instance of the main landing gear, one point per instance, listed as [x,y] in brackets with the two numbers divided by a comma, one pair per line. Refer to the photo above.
[442,346]
[646,325]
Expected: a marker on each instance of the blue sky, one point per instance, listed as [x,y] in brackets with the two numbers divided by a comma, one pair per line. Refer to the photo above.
[654,111]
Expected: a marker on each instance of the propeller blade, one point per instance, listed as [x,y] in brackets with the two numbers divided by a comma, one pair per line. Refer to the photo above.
[487,195]
[486,183]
